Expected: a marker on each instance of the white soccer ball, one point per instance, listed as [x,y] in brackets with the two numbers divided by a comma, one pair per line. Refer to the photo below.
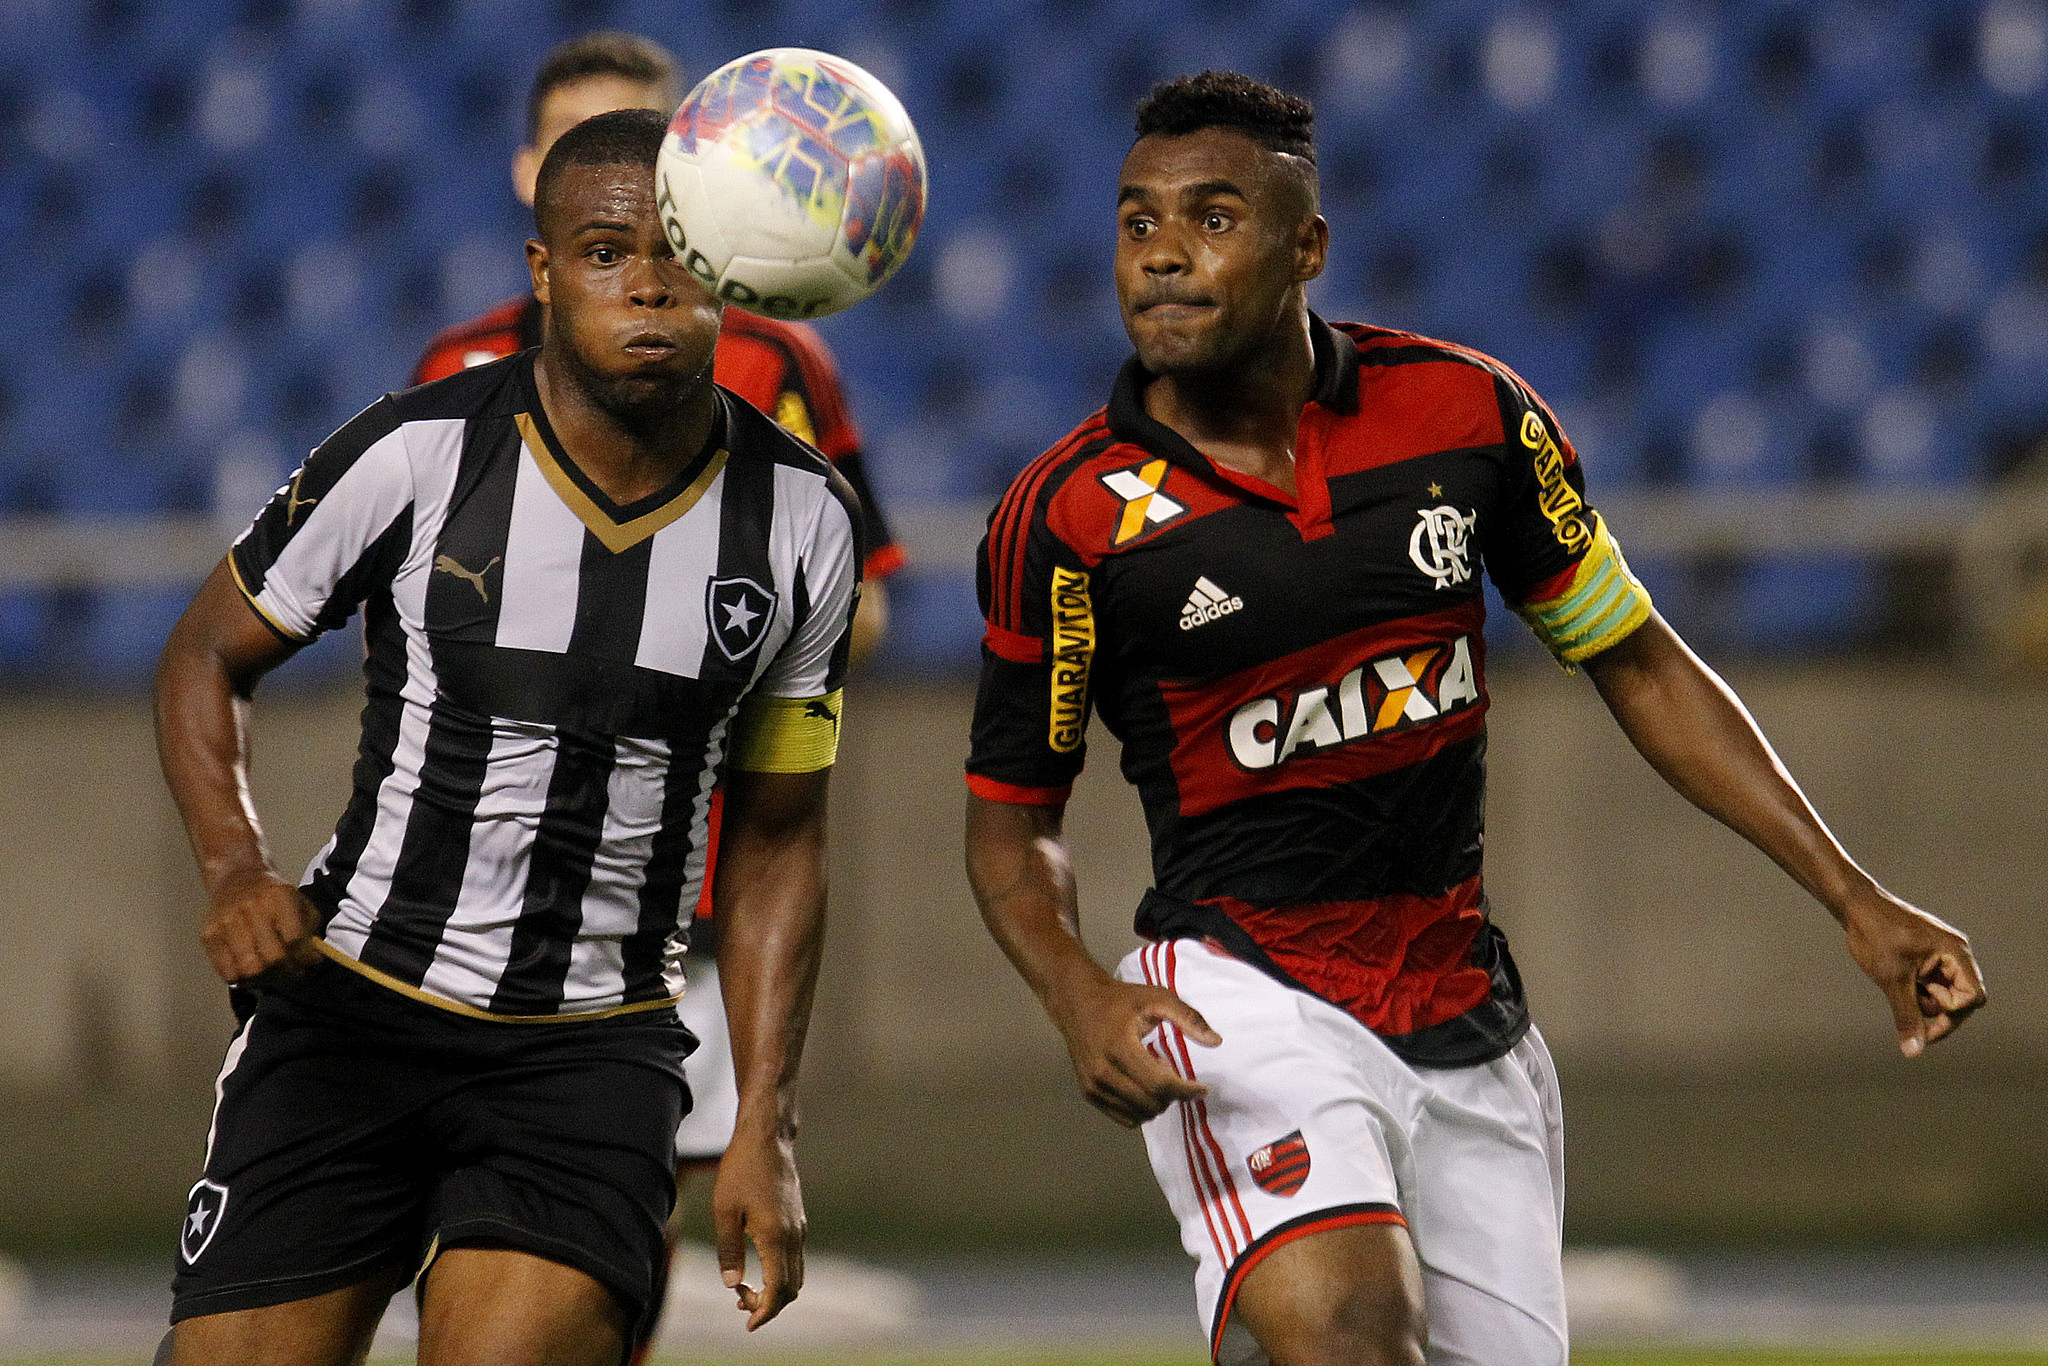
[791,183]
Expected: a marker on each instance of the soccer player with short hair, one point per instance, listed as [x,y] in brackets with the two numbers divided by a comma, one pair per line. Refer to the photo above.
[1260,564]
[785,369]
[595,585]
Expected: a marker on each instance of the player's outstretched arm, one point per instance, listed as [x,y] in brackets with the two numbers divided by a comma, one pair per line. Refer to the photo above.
[1696,733]
[769,897]
[209,669]
[1025,886]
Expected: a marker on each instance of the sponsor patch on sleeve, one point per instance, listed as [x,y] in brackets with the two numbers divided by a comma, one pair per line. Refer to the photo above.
[1561,504]
[1073,653]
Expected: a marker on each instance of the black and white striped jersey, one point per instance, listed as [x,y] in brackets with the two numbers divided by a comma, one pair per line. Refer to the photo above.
[555,682]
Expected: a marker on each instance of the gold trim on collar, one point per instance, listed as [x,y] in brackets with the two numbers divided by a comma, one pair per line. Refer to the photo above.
[385,979]
[615,536]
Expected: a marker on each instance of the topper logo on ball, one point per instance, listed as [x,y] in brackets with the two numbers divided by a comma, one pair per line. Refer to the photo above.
[773,305]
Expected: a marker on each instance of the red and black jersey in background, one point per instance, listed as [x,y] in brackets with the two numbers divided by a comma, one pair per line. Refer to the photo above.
[1298,683]
[784,369]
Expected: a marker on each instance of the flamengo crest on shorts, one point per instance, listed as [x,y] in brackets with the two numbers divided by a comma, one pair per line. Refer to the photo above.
[1281,1167]
[204,1209]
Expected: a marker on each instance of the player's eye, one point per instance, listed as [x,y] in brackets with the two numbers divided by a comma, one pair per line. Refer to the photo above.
[1216,221]
[605,255]
[1138,227]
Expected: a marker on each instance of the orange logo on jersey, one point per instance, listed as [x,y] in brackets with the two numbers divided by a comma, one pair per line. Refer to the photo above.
[1378,696]
[1145,505]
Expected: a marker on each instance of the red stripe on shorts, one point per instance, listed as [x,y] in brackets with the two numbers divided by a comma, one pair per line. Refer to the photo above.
[1221,1235]
[1201,1108]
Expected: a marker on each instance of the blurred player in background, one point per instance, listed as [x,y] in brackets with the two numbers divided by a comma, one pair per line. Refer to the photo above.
[593,585]
[1261,563]
[782,368]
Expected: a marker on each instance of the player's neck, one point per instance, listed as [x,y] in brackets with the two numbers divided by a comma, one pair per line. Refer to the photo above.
[628,456]
[1244,417]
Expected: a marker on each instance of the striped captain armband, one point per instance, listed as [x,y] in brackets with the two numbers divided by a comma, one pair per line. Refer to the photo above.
[1600,604]
[787,734]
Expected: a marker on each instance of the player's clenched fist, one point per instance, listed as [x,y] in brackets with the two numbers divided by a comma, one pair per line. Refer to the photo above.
[1105,1029]
[253,923]
[1923,965]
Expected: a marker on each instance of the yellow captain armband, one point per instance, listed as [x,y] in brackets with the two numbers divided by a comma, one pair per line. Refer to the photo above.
[787,734]
[1602,604]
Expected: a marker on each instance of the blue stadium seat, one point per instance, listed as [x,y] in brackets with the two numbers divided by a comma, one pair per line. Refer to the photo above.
[1851,165]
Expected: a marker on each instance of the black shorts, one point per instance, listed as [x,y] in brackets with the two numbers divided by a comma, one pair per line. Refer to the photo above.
[358,1131]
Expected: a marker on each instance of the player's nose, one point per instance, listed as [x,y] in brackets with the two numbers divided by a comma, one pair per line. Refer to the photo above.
[648,285]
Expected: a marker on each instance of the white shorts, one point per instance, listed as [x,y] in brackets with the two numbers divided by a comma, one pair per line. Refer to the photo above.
[714,1095]
[1312,1123]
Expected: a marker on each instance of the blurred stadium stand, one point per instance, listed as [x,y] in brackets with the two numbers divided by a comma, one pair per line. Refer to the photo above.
[1782,268]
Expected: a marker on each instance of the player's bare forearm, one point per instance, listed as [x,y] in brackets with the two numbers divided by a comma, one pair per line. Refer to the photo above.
[1699,737]
[1024,883]
[1017,864]
[209,669]
[769,898]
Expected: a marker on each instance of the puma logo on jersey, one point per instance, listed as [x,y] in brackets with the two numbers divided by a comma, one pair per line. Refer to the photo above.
[445,564]
[1207,603]
[292,501]
[820,709]
[1380,695]
[1145,506]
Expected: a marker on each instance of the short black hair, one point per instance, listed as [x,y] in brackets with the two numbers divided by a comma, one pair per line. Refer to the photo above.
[627,56]
[1276,120]
[624,137]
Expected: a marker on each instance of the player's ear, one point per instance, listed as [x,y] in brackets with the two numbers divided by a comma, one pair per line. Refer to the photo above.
[526,172]
[537,267]
[1311,248]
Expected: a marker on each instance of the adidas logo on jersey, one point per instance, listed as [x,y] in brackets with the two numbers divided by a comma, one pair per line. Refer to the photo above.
[1205,604]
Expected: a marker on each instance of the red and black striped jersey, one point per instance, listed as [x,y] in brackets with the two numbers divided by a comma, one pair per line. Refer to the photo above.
[1298,683]
[782,368]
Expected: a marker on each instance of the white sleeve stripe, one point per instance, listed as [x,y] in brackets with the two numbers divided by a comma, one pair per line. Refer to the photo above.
[826,560]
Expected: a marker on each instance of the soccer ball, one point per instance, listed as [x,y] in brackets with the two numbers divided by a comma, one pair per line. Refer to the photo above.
[791,183]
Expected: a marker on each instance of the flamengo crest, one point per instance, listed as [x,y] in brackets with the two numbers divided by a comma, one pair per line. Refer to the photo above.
[739,611]
[1441,544]
[1281,1166]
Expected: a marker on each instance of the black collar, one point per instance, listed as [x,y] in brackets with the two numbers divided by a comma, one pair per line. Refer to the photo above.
[1336,359]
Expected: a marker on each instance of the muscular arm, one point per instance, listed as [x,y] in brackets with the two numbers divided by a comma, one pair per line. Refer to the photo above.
[209,670]
[1695,732]
[769,898]
[1018,866]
